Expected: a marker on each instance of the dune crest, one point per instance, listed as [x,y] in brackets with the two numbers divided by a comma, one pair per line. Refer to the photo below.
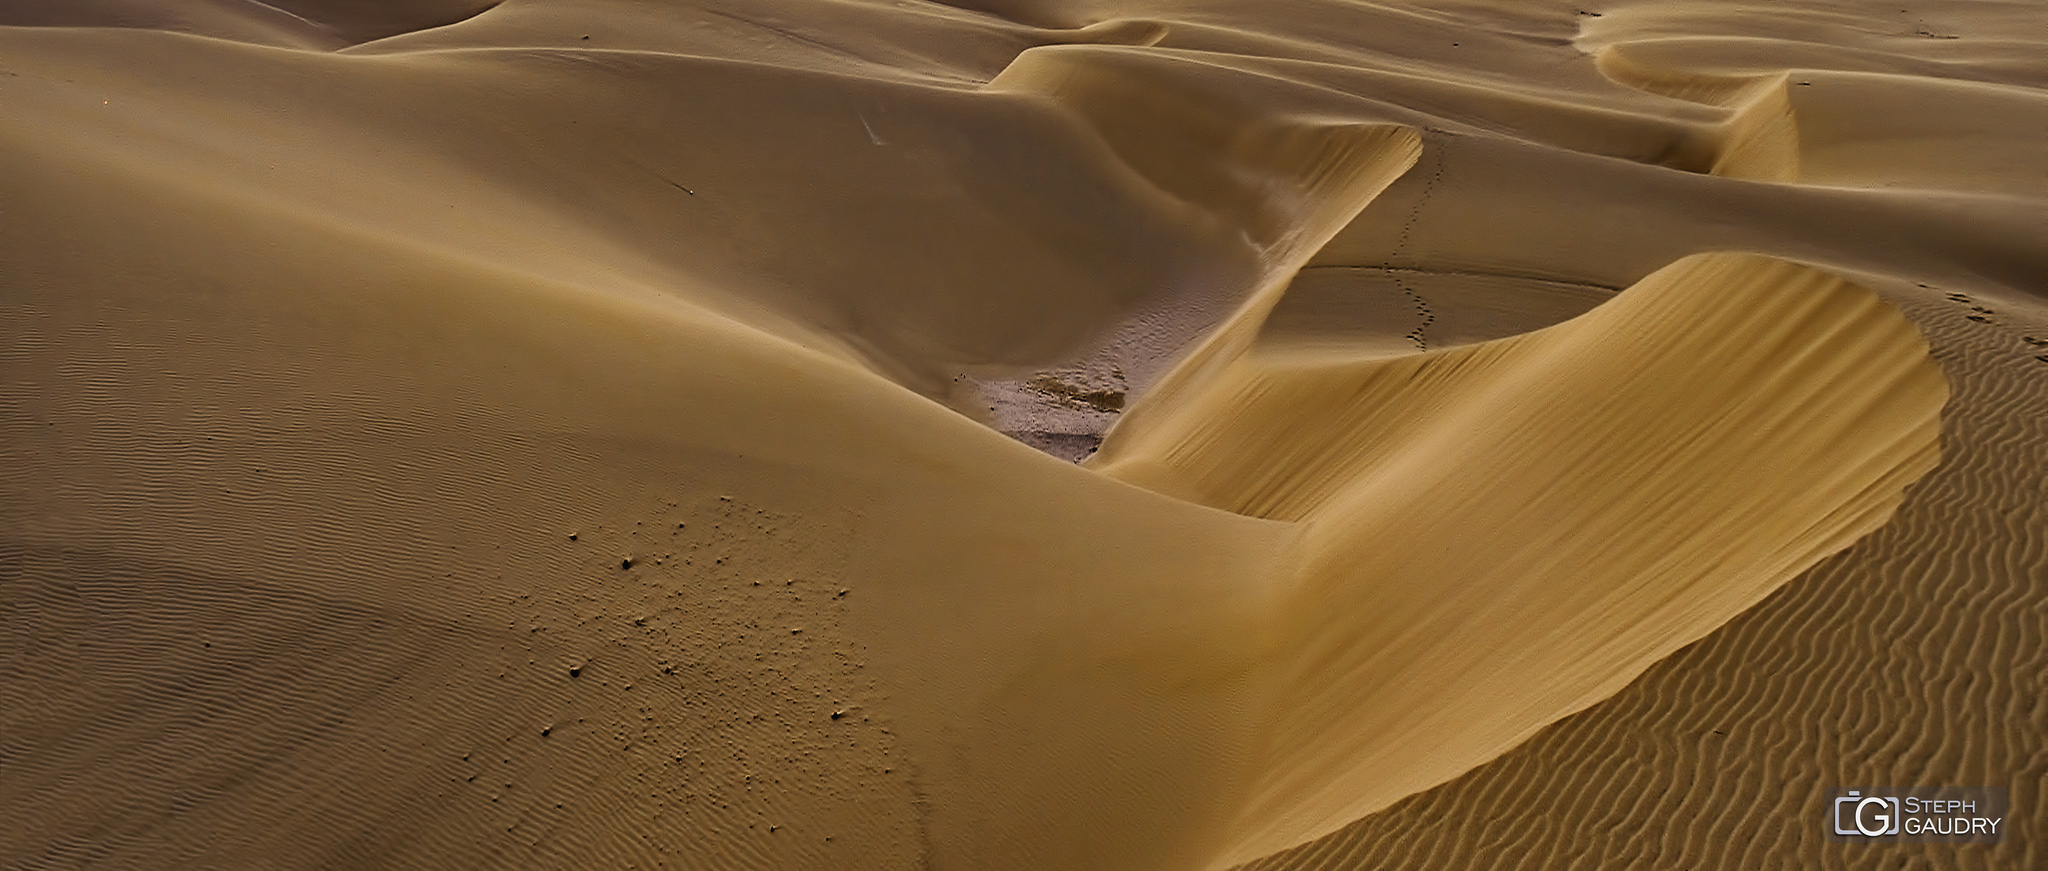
[315,25]
[560,433]
[1499,535]
[1760,138]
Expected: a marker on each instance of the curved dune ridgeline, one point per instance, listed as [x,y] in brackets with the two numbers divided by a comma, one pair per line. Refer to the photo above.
[1592,496]
[578,433]
[301,24]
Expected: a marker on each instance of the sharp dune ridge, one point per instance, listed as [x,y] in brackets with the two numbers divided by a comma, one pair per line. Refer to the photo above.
[1902,659]
[598,433]
[1401,445]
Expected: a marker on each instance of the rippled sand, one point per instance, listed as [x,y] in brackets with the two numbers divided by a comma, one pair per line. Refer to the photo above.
[614,433]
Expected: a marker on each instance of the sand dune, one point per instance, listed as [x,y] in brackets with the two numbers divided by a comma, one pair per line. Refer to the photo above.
[1908,658]
[1391,466]
[602,433]
[301,24]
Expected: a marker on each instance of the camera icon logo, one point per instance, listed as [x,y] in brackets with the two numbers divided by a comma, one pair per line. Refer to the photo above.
[1871,816]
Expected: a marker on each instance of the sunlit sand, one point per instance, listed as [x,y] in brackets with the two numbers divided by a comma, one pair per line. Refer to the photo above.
[1017,434]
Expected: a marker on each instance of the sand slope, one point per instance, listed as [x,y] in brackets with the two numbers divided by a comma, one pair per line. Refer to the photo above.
[1908,658]
[1591,496]
[567,437]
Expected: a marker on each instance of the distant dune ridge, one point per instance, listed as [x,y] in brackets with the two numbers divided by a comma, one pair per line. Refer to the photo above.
[571,433]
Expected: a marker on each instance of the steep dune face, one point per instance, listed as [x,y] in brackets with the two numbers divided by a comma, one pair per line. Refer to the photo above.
[1759,140]
[1904,658]
[1844,127]
[552,433]
[1908,658]
[1495,497]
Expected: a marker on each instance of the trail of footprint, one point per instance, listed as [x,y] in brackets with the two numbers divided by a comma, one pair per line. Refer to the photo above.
[1401,245]
[1423,312]
[1978,313]
[1983,315]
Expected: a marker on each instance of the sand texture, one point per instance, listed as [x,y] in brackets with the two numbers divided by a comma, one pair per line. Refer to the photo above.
[1017,434]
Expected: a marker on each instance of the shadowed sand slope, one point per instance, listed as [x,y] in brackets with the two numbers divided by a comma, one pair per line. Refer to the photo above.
[564,433]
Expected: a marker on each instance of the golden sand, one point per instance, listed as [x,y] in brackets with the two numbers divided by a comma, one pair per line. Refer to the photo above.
[599,433]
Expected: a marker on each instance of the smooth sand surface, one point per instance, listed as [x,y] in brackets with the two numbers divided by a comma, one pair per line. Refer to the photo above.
[616,433]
